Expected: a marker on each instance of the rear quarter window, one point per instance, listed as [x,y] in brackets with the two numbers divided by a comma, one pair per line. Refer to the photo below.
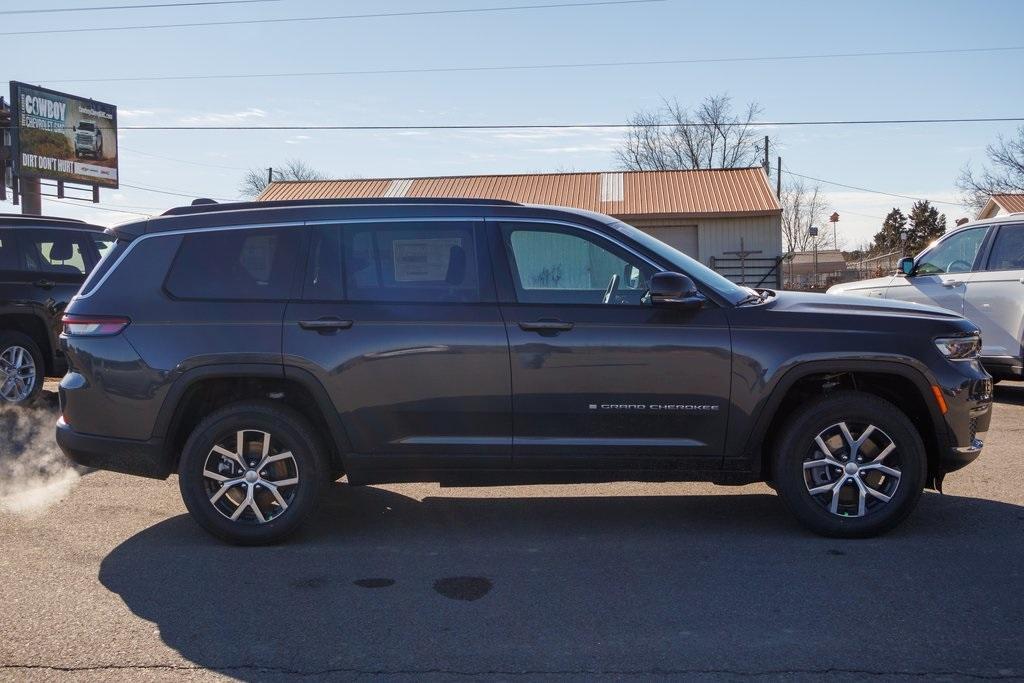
[240,265]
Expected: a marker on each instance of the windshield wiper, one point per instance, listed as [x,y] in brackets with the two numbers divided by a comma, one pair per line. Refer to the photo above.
[752,298]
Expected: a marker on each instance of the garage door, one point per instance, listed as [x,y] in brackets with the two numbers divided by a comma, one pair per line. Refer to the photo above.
[683,238]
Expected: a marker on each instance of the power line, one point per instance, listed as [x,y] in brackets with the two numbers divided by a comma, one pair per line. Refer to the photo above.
[97,8]
[565,126]
[176,193]
[182,161]
[95,206]
[371,15]
[531,67]
[560,126]
[865,189]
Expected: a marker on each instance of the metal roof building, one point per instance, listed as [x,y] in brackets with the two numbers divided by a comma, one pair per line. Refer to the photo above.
[1002,204]
[727,218]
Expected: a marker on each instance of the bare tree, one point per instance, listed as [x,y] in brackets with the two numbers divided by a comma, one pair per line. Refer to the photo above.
[712,135]
[804,205]
[1005,175]
[256,180]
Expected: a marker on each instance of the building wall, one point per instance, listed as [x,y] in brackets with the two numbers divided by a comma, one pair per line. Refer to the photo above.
[710,238]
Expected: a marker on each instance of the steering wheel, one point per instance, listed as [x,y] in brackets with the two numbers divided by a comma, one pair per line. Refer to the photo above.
[966,267]
[613,284]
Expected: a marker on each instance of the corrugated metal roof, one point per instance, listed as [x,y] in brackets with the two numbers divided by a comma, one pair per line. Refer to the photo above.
[716,192]
[1010,203]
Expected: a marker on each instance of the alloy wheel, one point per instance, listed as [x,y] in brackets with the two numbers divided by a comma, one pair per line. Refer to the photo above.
[852,476]
[249,478]
[17,374]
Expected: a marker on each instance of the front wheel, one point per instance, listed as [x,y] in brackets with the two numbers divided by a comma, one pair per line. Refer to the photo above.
[252,473]
[851,465]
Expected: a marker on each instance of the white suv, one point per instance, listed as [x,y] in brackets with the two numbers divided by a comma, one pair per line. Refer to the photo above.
[977,271]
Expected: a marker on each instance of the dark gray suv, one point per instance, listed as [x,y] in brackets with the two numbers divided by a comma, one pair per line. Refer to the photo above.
[262,351]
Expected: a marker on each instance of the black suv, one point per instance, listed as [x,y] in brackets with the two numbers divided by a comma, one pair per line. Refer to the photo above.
[263,350]
[43,262]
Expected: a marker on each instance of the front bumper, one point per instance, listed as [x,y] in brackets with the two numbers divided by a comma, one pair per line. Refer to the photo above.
[967,421]
[142,458]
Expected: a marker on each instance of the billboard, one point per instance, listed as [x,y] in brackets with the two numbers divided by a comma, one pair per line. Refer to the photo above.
[63,137]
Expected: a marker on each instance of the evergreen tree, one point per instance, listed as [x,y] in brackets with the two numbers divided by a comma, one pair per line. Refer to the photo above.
[890,238]
[926,226]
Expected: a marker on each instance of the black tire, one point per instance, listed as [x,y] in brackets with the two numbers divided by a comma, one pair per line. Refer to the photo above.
[13,339]
[796,445]
[290,432]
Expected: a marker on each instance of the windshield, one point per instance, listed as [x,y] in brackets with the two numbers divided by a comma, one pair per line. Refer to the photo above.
[731,291]
[86,126]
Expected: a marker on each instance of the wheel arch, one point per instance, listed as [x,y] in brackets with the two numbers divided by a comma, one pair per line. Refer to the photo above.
[211,386]
[35,327]
[900,383]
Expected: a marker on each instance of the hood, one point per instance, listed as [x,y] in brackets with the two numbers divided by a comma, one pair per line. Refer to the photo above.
[874,283]
[803,302]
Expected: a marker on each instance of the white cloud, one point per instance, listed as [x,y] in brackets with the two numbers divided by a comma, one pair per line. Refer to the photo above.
[224,117]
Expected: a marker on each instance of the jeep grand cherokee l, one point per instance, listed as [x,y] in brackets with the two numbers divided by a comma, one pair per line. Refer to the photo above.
[43,262]
[263,350]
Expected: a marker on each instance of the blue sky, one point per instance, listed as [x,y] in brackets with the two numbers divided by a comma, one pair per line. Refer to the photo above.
[912,160]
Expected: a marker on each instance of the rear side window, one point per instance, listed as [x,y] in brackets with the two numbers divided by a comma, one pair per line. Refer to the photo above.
[255,265]
[55,252]
[395,262]
[1008,249]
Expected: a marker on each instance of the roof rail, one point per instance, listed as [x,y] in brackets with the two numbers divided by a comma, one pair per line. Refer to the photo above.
[238,206]
[19,218]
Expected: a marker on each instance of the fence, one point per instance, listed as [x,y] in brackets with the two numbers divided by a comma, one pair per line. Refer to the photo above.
[876,266]
[752,272]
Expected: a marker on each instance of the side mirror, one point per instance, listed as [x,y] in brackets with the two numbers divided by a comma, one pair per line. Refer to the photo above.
[906,266]
[675,289]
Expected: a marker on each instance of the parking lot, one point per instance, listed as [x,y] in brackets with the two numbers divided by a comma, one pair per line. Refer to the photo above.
[104,575]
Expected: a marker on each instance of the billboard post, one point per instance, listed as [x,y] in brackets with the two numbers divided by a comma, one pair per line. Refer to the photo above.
[64,138]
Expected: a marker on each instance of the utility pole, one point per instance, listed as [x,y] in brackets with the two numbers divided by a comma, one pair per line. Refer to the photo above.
[270,175]
[778,180]
[767,164]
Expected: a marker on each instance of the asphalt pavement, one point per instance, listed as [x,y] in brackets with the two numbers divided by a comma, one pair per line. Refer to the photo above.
[104,576]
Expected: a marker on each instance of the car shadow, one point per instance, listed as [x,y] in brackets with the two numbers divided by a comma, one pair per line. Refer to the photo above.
[1010,393]
[381,583]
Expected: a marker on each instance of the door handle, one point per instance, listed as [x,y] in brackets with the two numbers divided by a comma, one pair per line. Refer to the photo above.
[325,325]
[44,284]
[952,283]
[546,326]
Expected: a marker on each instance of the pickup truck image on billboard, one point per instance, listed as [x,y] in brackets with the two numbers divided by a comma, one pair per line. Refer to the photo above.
[64,137]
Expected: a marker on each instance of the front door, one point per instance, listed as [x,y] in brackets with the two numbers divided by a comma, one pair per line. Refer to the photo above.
[941,274]
[400,324]
[995,295]
[601,378]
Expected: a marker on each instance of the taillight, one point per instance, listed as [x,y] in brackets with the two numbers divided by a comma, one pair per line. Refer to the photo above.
[93,326]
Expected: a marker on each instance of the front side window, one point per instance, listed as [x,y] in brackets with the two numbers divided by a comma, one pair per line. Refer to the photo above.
[552,265]
[53,252]
[235,265]
[956,254]
[415,262]
[1008,249]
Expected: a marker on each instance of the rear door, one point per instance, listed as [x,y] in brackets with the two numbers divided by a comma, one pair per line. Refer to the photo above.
[941,273]
[399,322]
[600,378]
[995,295]
[51,266]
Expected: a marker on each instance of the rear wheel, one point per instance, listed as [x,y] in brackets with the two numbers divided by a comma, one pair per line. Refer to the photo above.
[252,473]
[851,465]
[21,368]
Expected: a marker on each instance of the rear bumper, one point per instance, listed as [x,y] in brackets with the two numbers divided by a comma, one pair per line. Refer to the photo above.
[142,458]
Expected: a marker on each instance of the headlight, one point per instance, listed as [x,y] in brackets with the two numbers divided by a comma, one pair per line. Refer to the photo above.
[959,348]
